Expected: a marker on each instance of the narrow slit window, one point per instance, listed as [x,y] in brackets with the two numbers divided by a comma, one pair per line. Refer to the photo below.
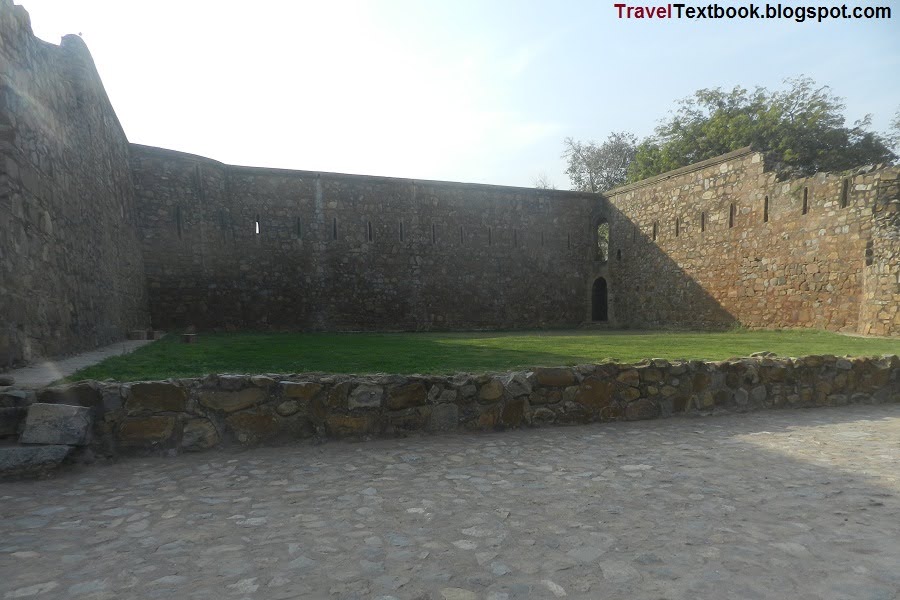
[369,230]
[677,227]
[515,238]
[766,210]
[569,240]
[401,231]
[178,220]
[256,225]
[299,230]
[731,211]
[461,238]
[490,236]
[433,234]
[334,228]
[870,254]
[542,239]
[845,193]
[655,229]
[619,254]
[702,222]
[805,208]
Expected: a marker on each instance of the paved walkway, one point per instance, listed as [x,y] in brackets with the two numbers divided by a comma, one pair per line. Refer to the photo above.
[781,504]
[44,373]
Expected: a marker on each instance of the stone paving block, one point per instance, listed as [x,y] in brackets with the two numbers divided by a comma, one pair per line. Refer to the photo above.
[56,424]
[25,461]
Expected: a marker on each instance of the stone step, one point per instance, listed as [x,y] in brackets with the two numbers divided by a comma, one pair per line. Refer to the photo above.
[17,462]
[56,424]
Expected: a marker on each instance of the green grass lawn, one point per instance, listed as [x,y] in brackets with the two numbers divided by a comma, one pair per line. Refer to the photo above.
[451,352]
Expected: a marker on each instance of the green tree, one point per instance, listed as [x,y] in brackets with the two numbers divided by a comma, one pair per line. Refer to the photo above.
[598,167]
[800,128]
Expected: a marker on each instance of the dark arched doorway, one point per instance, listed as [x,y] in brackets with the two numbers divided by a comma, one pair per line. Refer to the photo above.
[599,306]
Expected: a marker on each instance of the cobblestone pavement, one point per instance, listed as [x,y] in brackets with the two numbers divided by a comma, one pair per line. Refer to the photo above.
[46,372]
[781,504]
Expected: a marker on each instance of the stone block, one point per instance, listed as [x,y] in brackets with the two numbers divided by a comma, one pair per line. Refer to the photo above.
[16,398]
[288,408]
[410,419]
[406,396]
[350,425]
[199,434]
[146,431]
[156,396]
[30,461]
[514,410]
[304,391]
[79,394]
[251,427]
[11,419]
[554,377]
[491,391]
[232,401]
[365,396]
[595,393]
[629,377]
[57,424]
[641,409]
[517,385]
[444,417]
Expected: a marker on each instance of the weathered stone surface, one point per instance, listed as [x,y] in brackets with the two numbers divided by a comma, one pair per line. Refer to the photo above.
[231,401]
[514,410]
[595,393]
[12,398]
[554,377]
[11,420]
[338,396]
[406,396]
[491,391]
[7,380]
[288,408]
[350,425]
[79,394]
[641,409]
[56,424]
[304,391]
[156,396]
[365,396]
[253,426]
[146,431]
[544,396]
[262,381]
[629,377]
[411,419]
[199,434]
[517,385]
[444,417]
[30,461]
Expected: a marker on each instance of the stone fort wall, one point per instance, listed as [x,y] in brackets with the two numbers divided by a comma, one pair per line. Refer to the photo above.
[71,268]
[250,247]
[724,242]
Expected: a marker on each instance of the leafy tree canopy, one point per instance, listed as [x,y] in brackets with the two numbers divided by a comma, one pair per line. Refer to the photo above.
[596,167]
[801,128]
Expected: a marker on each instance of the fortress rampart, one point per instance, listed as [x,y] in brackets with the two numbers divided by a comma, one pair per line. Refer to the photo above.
[71,268]
[725,242]
[99,236]
[250,247]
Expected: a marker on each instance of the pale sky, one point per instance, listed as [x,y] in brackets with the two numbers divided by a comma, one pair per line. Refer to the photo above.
[481,91]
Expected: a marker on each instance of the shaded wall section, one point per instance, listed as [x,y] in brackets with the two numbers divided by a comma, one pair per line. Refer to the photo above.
[247,247]
[724,242]
[71,270]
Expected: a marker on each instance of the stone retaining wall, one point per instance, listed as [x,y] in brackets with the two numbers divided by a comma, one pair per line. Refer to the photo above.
[201,413]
